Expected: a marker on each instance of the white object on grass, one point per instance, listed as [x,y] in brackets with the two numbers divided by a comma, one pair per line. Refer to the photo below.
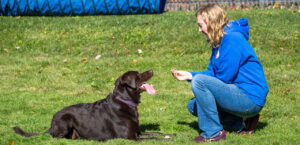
[98,56]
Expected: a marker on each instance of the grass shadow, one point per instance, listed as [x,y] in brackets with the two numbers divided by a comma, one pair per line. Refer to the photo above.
[261,125]
[193,125]
[152,127]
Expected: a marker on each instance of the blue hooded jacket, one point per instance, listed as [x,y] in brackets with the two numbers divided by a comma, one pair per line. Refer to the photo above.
[235,62]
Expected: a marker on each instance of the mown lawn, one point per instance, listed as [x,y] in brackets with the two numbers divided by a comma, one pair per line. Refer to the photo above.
[47,63]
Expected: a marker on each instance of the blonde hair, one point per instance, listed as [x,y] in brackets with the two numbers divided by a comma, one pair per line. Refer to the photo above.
[216,19]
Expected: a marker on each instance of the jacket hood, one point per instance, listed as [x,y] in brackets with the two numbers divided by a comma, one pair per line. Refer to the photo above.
[240,25]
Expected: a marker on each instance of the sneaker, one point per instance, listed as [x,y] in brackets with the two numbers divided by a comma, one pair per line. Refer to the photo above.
[221,136]
[250,125]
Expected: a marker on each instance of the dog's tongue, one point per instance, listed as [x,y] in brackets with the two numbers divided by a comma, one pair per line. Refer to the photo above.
[149,88]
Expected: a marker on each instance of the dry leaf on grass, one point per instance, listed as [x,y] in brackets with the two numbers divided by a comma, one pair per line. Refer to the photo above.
[12,143]
[287,91]
[84,59]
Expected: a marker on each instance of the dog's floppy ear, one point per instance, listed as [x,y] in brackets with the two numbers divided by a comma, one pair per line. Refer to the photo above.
[129,80]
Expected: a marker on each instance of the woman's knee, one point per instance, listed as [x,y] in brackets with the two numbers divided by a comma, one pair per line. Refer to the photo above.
[192,106]
[198,82]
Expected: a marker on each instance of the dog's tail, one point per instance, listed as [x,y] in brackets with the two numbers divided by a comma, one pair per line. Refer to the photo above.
[19,131]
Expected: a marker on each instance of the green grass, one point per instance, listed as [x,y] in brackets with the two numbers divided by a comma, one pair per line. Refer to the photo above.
[41,71]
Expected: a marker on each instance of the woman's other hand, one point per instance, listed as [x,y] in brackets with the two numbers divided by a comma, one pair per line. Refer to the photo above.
[182,75]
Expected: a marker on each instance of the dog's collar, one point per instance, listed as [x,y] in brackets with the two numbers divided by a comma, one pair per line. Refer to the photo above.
[130,103]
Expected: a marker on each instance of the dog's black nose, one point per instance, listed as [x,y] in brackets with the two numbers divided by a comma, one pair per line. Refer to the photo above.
[150,71]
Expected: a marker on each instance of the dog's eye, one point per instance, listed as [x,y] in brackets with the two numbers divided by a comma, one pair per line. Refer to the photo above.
[130,87]
[137,79]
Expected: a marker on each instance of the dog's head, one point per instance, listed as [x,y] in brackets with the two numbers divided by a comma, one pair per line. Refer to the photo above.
[129,85]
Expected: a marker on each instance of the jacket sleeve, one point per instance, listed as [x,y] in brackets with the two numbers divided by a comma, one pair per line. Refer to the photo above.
[228,63]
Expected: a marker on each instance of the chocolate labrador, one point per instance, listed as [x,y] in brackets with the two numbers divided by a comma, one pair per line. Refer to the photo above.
[116,116]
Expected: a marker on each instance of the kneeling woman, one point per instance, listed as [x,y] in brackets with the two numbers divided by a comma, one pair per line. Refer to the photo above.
[233,89]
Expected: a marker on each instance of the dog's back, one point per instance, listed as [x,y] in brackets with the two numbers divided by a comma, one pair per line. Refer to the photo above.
[86,120]
[78,121]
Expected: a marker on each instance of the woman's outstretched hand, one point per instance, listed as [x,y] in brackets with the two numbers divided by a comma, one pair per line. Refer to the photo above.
[181,75]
